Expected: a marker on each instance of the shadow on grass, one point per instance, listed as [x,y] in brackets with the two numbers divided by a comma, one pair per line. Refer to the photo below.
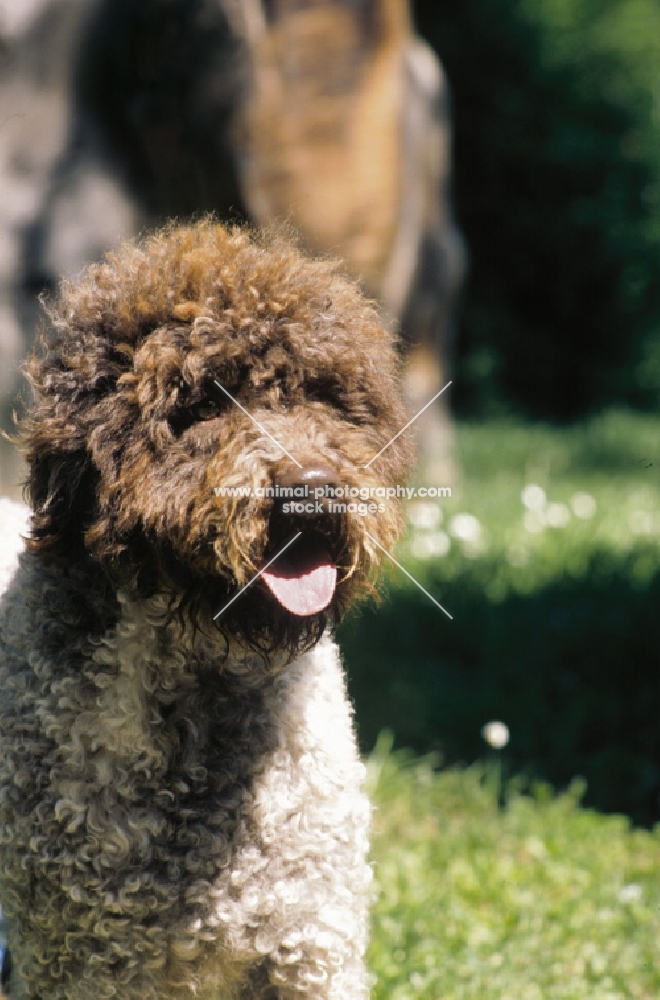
[573,669]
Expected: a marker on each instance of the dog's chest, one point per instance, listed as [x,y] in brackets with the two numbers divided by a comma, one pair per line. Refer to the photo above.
[179,739]
[155,759]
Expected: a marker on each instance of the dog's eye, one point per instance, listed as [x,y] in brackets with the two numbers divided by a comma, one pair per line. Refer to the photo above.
[324,392]
[185,417]
[207,409]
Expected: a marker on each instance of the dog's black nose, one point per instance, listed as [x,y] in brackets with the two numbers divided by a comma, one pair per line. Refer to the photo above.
[309,489]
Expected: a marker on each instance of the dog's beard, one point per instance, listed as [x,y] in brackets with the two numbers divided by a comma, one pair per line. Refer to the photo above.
[298,575]
[284,609]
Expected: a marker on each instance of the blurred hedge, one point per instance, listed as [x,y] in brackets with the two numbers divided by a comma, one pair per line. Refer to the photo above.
[557,160]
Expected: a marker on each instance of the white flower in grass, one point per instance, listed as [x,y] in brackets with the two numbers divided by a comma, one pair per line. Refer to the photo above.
[557,515]
[465,527]
[475,549]
[496,734]
[534,521]
[424,515]
[630,893]
[533,497]
[640,522]
[583,505]
[430,546]
[536,848]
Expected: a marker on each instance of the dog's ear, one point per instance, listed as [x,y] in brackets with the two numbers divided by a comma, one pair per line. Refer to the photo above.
[62,490]
[73,374]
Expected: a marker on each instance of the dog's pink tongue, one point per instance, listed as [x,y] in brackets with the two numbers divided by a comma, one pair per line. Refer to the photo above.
[303,579]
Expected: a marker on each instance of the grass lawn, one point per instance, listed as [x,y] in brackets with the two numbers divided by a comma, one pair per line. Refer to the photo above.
[548,558]
[545,500]
[539,900]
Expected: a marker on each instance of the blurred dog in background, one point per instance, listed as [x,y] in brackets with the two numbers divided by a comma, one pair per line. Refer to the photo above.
[332,114]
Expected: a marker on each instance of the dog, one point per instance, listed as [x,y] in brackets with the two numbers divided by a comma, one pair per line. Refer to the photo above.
[181,802]
[332,114]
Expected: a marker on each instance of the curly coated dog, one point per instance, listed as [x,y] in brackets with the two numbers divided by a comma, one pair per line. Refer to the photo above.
[181,811]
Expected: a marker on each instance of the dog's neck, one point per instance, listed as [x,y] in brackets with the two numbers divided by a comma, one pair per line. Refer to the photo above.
[87,618]
[169,639]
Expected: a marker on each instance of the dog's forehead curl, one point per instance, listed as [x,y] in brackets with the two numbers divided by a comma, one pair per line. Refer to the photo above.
[188,274]
[203,300]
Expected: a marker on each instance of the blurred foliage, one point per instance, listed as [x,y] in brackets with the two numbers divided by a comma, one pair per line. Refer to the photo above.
[555,603]
[541,900]
[557,181]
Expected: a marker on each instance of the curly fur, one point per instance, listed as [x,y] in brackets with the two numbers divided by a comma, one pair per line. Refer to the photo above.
[180,805]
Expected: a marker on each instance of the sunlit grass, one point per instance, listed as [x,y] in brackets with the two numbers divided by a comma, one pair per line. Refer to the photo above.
[536,901]
[538,501]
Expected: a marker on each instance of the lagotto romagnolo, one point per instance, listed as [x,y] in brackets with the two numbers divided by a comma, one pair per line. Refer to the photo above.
[181,803]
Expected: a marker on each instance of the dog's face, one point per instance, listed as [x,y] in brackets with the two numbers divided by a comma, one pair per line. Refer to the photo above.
[183,383]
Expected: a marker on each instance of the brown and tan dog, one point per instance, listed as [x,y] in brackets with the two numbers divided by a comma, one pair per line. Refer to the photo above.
[344,128]
[332,114]
[181,811]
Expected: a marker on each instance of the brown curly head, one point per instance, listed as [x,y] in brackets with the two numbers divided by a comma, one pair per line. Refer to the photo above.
[200,359]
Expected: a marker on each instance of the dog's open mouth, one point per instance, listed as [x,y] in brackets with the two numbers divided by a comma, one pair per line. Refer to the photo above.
[304,577]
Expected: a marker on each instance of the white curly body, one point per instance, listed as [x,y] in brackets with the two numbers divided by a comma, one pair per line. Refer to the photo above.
[174,821]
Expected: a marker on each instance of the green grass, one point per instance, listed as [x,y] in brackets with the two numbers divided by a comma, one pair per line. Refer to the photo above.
[613,458]
[556,617]
[540,900]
